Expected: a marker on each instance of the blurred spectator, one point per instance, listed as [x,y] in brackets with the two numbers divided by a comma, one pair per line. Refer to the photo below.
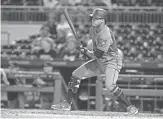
[139,57]
[102,2]
[43,46]
[50,24]
[132,2]
[46,99]
[145,47]
[158,41]
[4,77]
[47,52]
[152,53]
[51,3]
[132,53]
[120,42]
[44,34]
[159,57]
[138,41]
[141,36]
[132,36]
[47,67]
[15,99]
[80,20]
[141,2]
[121,2]
[151,37]
[12,2]
[63,29]
[137,2]
[127,46]
[32,2]
[38,82]
[70,51]
[158,2]
[87,2]
[74,2]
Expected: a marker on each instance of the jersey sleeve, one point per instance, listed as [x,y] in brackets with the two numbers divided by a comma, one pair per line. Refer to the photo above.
[105,41]
[90,32]
[90,45]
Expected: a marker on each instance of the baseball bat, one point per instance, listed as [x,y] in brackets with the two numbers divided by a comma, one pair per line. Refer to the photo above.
[71,25]
[73,29]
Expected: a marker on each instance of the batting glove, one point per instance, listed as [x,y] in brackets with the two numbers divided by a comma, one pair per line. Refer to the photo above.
[86,57]
[83,50]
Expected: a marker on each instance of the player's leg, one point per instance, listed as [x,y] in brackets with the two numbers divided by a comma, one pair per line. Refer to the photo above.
[89,69]
[110,83]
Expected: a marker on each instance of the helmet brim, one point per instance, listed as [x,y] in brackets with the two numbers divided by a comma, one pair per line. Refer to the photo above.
[95,16]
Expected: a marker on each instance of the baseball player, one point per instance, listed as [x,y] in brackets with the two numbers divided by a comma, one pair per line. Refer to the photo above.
[105,60]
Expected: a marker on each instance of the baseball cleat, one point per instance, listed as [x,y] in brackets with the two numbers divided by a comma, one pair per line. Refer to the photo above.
[131,110]
[62,106]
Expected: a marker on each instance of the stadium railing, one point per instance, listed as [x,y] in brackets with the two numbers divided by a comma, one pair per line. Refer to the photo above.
[115,14]
[29,88]
[59,89]
[33,64]
[27,63]
[139,90]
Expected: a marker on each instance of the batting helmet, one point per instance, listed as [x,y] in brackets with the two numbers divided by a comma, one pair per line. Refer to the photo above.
[99,13]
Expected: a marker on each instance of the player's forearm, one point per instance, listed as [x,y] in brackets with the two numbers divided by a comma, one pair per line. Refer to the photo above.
[91,54]
[95,54]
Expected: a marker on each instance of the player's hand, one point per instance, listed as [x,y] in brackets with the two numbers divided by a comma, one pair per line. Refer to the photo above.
[86,57]
[83,50]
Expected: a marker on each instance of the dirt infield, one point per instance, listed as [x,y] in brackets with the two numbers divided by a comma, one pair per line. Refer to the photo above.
[45,114]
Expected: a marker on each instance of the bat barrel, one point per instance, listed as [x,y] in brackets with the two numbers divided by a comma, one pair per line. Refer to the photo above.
[71,24]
